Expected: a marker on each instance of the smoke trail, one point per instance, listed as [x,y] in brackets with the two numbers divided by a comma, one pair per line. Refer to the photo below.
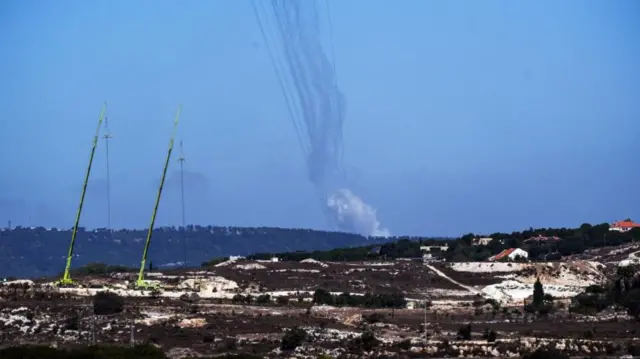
[317,107]
[321,104]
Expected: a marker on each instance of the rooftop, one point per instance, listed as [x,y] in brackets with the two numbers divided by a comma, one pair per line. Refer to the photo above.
[625,224]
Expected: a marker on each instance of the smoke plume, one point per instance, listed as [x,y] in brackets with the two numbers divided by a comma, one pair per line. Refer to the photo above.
[353,215]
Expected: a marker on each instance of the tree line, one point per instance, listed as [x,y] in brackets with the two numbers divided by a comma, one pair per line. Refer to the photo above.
[569,241]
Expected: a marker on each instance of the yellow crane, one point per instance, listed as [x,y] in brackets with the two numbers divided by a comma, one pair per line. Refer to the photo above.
[141,283]
[66,278]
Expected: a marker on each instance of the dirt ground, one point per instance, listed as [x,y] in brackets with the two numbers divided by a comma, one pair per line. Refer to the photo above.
[208,322]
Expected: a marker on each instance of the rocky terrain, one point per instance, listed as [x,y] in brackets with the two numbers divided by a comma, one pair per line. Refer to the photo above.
[613,256]
[268,308]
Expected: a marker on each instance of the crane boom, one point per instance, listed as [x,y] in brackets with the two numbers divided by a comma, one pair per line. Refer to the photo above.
[66,278]
[140,283]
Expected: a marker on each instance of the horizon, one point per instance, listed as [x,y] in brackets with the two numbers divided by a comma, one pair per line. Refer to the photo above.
[474,117]
[178,227]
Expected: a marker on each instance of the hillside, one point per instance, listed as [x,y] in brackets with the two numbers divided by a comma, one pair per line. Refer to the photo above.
[33,252]
[338,309]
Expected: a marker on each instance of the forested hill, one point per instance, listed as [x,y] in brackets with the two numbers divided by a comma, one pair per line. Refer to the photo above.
[31,252]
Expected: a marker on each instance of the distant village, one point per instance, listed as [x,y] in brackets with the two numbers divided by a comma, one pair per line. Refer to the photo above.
[429,253]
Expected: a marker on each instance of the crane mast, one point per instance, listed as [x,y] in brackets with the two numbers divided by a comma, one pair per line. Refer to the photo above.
[141,283]
[66,278]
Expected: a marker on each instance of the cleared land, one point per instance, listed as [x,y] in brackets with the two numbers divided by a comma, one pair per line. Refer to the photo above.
[199,312]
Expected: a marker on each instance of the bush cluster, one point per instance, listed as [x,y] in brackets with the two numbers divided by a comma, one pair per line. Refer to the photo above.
[101,269]
[369,300]
[106,303]
[624,292]
[293,338]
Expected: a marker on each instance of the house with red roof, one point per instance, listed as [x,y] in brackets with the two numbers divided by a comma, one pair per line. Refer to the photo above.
[511,254]
[624,226]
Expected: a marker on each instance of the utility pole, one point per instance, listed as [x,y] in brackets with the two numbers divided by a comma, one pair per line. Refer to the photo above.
[182,160]
[426,337]
[132,327]
[93,329]
[106,138]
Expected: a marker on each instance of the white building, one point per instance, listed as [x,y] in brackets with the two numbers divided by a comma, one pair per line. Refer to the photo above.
[481,241]
[428,249]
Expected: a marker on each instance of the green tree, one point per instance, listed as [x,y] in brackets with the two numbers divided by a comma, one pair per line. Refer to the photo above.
[322,296]
[538,294]
[293,338]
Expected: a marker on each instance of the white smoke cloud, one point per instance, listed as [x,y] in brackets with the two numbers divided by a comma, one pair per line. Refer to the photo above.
[353,214]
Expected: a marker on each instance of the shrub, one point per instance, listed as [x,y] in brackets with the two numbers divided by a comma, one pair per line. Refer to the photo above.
[633,349]
[230,343]
[546,353]
[293,339]
[282,300]
[241,299]
[263,299]
[373,318]
[369,300]
[595,289]
[464,332]
[72,322]
[322,296]
[101,269]
[208,338]
[367,341]
[404,345]
[105,303]
[489,335]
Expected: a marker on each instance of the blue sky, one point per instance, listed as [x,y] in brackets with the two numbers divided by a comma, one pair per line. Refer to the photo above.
[461,115]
